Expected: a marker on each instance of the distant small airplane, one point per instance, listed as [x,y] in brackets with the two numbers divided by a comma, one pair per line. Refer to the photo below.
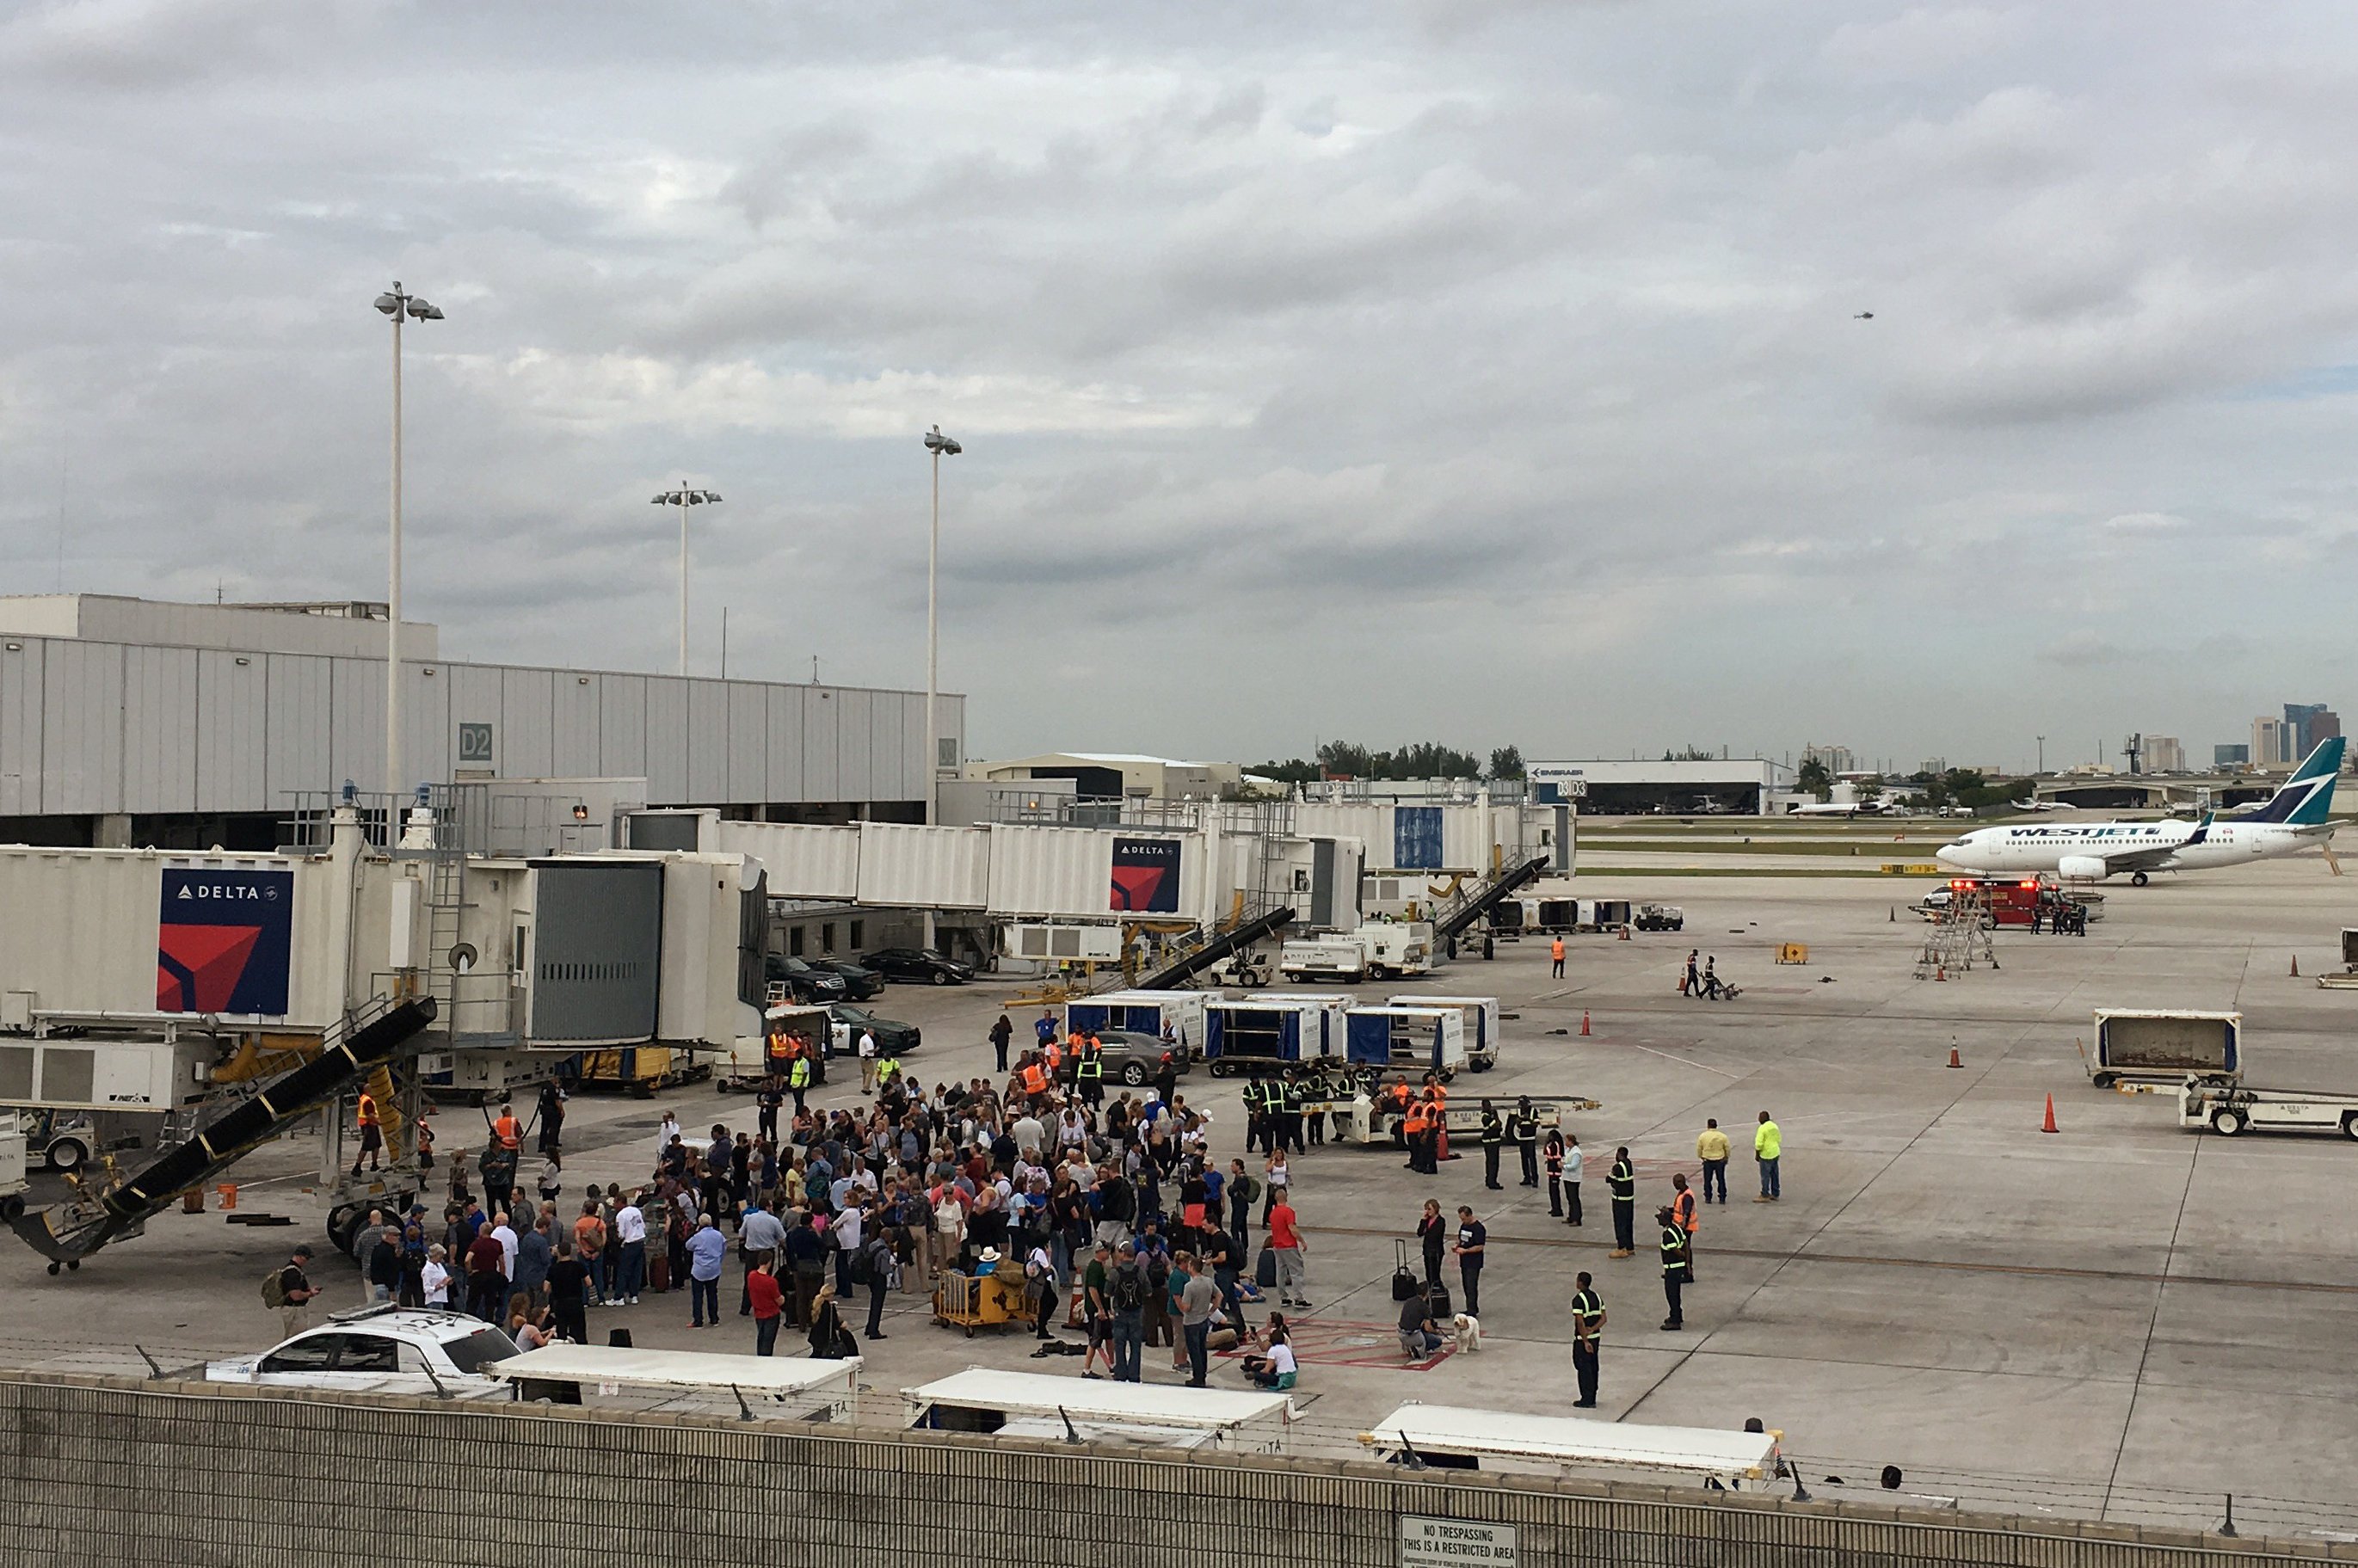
[1864,316]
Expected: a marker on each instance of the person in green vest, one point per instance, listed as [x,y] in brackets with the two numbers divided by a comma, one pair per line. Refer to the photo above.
[1675,1266]
[1621,1181]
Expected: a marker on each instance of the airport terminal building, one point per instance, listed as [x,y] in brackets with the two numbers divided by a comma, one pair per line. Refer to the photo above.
[127,722]
[1639,786]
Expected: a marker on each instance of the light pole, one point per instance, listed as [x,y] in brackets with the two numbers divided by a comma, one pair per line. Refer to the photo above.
[395,305]
[942,446]
[684,498]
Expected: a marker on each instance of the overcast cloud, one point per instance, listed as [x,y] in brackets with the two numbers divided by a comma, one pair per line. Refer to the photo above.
[1478,372]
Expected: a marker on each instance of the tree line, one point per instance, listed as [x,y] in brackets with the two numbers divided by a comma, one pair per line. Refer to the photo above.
[1423,760]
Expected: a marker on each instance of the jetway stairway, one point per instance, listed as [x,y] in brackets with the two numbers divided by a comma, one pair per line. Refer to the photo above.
[1452,922]
[226,1128]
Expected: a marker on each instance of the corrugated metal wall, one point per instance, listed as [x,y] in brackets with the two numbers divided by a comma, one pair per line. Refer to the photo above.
[936,868]
[803,861]
[92,727]
[1050,870]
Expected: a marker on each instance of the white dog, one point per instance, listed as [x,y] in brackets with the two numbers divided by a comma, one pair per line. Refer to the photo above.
[1467,1330]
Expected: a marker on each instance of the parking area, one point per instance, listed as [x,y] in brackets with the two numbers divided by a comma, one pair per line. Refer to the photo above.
[2020,1318]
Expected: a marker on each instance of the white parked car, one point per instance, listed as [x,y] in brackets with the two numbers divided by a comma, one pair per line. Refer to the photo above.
[383,1349]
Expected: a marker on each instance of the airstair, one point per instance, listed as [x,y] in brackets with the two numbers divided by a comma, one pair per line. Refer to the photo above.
[1959,938]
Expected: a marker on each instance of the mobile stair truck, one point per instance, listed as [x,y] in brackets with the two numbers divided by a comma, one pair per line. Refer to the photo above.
[2158,1046]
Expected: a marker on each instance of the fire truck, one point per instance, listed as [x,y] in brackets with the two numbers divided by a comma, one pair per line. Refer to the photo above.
[2034,903]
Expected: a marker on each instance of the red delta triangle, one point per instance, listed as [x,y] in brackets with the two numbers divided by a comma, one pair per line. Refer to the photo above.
[1134,886]
[214,957]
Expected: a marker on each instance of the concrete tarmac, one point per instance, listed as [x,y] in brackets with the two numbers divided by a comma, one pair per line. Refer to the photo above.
[2121,1319]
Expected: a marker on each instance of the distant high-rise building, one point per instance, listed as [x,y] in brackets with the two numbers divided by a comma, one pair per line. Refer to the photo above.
[2300,721]
[2269,741]
[2231,756]
[2323,724]
[2163,754]
[1835,760]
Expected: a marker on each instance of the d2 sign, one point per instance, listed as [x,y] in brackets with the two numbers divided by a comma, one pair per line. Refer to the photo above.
[475,745]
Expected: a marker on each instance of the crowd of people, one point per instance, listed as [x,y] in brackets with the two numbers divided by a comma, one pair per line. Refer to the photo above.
[1113,1212]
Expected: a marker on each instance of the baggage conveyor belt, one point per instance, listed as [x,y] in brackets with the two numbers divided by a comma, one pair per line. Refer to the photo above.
[68,1232]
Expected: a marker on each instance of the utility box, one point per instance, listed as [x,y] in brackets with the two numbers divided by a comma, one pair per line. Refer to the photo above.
[2350,947]
[2166,1045]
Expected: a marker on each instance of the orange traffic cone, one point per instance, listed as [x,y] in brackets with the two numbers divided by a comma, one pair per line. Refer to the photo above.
[1584,1022]
[2296,965]
[1941,973]
[1955,1060]
[2049,1125]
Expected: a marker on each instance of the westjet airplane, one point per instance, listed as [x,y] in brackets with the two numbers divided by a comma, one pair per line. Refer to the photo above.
[2294,818]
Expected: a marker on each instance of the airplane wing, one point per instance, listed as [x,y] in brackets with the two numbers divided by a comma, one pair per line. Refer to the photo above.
[2161,857]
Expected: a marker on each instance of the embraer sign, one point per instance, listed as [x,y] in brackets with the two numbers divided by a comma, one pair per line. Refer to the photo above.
[1569,782]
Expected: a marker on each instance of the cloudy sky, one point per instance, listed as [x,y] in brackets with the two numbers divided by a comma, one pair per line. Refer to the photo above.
[1464,369]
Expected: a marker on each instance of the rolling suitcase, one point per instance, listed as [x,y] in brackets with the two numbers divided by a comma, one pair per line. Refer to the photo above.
[1437,1303]
[1404,1282]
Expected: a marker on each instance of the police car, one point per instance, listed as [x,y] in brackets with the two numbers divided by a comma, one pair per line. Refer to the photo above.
[432,1351]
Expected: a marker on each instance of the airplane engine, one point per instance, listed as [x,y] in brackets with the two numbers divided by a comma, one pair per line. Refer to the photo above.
[2080,868]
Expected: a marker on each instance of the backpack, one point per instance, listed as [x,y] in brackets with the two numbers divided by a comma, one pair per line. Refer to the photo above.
[1128,1289]
[274,1288]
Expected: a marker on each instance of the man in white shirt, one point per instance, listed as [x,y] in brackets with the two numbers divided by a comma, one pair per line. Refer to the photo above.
[846,1242]
[631,1232]
[867,1062]
[504,1234]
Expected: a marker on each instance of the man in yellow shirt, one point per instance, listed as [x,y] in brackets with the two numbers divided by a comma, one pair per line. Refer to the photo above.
[1710,1148]
[1768,1147]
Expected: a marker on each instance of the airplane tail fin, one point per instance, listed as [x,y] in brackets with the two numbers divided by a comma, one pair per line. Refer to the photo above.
[2308,796]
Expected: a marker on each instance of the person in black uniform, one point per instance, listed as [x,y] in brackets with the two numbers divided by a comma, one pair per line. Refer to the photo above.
[1621,1181]
[1527,1138]
[1494,1136]
[1587,1338]
[1675,1266]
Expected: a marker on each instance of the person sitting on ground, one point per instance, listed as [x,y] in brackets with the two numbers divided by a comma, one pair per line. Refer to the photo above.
[1276,1370]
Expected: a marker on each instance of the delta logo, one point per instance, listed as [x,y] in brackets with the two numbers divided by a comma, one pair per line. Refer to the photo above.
[224,942]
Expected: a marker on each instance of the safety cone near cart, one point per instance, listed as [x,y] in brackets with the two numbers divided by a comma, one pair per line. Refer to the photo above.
[1584,1023]
[2049,1125]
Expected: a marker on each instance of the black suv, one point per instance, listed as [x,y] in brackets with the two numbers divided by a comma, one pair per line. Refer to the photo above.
[803,983]
[894,1038]
[860,981]
[918,964]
